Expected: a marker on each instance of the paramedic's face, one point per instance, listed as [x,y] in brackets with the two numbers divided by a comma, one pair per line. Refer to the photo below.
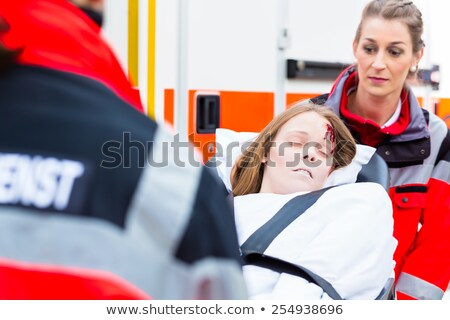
[299,159]
[385,55]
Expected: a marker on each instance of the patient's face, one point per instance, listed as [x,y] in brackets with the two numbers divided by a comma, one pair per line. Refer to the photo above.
[300,158]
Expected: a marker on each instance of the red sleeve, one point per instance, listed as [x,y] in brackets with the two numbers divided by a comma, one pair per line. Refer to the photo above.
[426,270]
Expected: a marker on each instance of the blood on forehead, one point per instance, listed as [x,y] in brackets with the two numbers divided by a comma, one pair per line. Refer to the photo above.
[330,136]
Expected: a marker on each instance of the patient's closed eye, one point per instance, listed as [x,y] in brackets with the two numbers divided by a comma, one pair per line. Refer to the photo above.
[295,141]
[295,144]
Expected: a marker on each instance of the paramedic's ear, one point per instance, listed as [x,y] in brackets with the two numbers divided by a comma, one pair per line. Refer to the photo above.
[8,56]
[418,56]
[355,46]
[92,8]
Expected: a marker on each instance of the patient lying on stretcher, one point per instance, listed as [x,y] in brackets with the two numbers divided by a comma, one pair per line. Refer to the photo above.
[345,237]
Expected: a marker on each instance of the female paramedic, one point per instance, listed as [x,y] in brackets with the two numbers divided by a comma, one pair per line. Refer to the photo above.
[344,238]
[381,111]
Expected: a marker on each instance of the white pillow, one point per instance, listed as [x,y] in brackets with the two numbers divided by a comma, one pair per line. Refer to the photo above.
[229,146]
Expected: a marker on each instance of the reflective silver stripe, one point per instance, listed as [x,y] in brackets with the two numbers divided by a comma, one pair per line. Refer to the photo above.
[215,278]
[165,195]
[94,244]
[418,288]
[419,174]
[442,171]
[74,241]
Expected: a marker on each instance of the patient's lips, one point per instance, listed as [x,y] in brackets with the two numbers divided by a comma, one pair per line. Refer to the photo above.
[304,172]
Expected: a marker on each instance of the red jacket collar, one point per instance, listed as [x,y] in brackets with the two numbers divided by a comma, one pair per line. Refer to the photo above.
[369,132]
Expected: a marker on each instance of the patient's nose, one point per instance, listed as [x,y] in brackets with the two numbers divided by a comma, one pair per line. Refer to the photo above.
[309,156]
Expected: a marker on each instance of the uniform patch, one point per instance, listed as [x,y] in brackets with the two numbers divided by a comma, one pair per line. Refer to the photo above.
[37,181]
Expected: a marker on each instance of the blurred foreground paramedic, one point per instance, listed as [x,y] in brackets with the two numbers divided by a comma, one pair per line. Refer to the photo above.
[381,111]
[88,181]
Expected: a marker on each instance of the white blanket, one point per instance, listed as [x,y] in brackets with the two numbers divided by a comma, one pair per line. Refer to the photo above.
[345,237]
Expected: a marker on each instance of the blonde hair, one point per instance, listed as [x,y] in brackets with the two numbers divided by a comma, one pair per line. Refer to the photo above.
[247,173]
[403,10]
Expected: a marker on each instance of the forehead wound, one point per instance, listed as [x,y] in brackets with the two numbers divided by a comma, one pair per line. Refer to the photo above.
[330,136]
